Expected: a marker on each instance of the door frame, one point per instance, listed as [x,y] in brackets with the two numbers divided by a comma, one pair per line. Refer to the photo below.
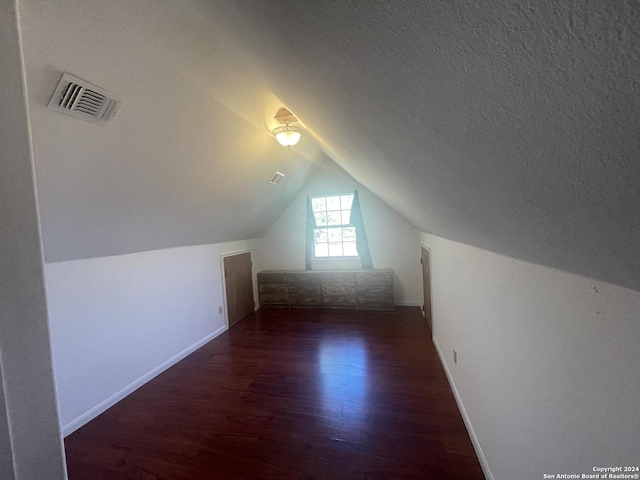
[428,248]
[225,309]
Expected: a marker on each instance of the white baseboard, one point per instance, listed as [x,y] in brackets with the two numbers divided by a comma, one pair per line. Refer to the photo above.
[465,417]
[85,418]
[409,304]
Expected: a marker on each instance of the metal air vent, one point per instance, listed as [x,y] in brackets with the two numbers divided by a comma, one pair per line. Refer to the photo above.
[81,99]
[275,178]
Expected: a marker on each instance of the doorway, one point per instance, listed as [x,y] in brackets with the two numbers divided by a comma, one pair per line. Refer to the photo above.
[425,260]
[238,282]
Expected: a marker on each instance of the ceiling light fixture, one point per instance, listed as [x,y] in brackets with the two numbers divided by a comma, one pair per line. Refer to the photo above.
[287,135]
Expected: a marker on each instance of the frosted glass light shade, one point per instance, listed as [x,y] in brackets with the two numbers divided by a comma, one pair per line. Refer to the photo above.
[287,135]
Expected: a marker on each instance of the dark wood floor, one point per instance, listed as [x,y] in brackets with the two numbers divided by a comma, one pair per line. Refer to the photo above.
[291,394]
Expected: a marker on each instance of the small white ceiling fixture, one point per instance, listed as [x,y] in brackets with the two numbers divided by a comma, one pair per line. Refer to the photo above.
[275,178]
[81,99]
[287,135]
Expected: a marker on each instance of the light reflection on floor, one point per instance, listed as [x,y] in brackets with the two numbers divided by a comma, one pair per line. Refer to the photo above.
[344,381]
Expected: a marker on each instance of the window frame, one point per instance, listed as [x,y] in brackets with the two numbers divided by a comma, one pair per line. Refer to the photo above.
[318,227]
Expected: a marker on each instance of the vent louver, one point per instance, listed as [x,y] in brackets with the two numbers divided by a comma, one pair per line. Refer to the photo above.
[275,178]
[81,99]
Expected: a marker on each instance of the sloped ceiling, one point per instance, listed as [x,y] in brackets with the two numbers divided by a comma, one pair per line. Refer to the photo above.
[513,125]
[507,125]
[188,157]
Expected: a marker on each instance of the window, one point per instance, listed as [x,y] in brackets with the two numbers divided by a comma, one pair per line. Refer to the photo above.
[333,236]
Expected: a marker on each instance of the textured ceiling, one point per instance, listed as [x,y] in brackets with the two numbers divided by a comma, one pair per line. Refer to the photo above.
[508,125]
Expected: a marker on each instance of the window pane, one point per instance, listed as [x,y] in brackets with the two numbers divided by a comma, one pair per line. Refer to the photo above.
[335,234]
[346,201]
[335,249]
[321,218]
[336,240]
[333,203]
[318,204]
[350,249]
[320,235]
[333,218]
[349,234]
[321,250]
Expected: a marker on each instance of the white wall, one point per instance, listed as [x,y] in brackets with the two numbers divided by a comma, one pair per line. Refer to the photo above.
[118,321]
[394,243]
[30,442]
[548,362]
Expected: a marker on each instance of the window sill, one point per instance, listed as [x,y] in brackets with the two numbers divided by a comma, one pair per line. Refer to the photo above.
[344,263]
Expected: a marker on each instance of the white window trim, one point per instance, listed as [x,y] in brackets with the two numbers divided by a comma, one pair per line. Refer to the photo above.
[322,260]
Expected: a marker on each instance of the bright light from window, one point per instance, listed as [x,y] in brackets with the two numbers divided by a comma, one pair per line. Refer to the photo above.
[344,377]
[334,237]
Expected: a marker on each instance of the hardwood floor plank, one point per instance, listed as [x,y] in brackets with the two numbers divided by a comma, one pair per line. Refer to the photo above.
[289,394]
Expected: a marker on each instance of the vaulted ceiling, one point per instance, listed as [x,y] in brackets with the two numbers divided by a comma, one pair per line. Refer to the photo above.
[507,125]
[187,159]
